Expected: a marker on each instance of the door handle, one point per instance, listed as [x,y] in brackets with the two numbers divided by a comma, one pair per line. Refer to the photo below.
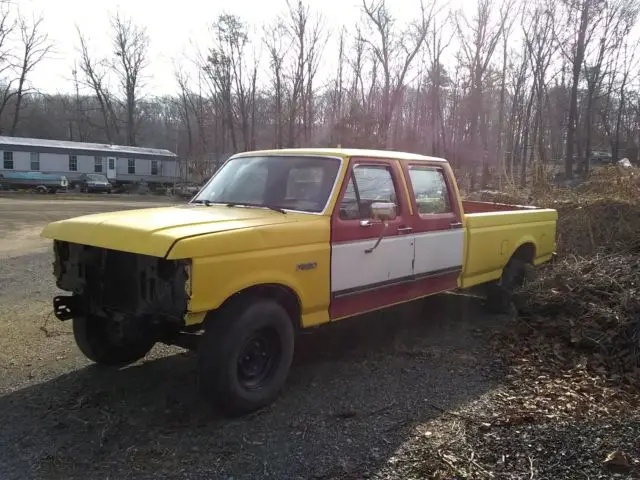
[405,229]
[455,224]
[369,223]
[384,230]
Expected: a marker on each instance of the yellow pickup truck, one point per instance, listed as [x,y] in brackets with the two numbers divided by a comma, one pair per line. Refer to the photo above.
[279,241]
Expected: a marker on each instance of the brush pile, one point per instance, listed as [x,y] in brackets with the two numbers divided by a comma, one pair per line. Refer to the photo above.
[592,306]
[588,303]
[590,224]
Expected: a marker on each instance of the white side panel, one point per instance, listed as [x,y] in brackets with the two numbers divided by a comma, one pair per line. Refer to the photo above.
[22,161]
[352,268]
[438,251]
[86,164]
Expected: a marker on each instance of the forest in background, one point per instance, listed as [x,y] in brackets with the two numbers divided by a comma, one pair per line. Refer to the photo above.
[510,91]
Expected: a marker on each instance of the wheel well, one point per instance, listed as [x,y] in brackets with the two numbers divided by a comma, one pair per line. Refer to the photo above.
[284,296]
[525,252]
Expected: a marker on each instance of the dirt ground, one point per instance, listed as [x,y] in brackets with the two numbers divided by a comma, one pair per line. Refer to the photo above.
[418,392]
[357,391]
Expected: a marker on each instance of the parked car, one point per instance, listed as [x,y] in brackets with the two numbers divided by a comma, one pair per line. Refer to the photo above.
[262,251]
[185,190]
[37,181]
[93,182]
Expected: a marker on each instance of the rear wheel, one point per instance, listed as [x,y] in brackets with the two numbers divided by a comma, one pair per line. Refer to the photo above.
[245,356]
[499,294]
[102,341]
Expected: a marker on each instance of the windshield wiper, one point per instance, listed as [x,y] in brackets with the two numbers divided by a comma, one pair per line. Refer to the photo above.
[255,205]
[205,202]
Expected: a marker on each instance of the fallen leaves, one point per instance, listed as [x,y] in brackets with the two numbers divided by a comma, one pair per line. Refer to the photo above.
[618,460]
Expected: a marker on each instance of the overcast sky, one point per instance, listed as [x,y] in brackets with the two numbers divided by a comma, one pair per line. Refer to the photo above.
[171,26]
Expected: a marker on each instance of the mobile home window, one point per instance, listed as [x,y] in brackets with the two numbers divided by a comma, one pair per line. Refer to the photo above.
[97,164]
[73,163]
[131,166]
[7,158]
[154,167]
[35,161]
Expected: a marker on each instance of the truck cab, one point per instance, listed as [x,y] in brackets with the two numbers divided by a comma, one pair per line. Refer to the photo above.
[279,241]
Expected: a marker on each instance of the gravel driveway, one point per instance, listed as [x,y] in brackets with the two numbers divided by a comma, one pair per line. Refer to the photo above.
[359,390]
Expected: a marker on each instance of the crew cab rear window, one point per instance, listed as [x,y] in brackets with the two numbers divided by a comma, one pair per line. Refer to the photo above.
[430,189]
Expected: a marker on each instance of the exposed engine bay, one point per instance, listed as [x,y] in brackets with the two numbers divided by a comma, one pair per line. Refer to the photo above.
[144,291]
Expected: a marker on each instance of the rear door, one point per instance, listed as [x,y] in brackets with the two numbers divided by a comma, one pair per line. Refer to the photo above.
[362,281]
[437,227]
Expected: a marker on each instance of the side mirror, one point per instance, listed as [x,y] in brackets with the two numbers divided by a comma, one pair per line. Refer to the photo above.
[383,211]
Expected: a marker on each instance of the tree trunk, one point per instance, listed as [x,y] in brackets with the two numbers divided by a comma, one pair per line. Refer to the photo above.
[573,102]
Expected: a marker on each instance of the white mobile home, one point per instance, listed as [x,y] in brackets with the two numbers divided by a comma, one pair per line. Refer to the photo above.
[120,164]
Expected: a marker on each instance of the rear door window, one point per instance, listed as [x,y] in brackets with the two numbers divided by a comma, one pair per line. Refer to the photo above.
[430,189]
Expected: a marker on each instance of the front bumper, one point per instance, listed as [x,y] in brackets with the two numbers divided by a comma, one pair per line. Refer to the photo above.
[107,282]
[98,188]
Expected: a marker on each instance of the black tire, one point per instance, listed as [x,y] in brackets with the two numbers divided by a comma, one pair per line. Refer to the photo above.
[240,331]
[94,342]
[499,294]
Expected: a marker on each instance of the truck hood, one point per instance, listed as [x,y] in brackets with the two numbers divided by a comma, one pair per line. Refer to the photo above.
[153,231]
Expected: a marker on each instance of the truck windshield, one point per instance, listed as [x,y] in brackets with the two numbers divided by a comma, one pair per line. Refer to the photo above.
[275,181]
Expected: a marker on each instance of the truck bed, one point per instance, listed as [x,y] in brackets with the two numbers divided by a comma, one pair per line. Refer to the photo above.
[496,231]
[471,207]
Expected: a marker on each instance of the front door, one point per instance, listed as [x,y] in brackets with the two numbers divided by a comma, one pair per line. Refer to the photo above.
[437,228]
[111,168]
[363,279]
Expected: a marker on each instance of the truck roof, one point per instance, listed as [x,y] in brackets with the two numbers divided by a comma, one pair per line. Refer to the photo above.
[344,153]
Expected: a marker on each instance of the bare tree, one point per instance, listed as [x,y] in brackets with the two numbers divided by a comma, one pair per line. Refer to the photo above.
[395,52]
[612,112]
[231,80]
[7,27]
[618,17]
[305,31]
[35,47]
[184,107]
[537,28]
[500,154]
[95,77]
[495,96]
[337,98]
[581,17]
[479,38]
[436,45]
[131,45]
[278,44]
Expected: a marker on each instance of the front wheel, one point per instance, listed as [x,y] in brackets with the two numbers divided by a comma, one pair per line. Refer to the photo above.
[245,356]
[101,341]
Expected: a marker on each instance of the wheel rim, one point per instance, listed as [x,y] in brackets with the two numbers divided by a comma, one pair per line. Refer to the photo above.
[258,359]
